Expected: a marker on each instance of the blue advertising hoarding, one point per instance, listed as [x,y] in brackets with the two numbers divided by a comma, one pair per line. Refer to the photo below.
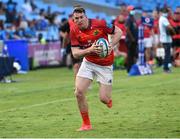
[19,50]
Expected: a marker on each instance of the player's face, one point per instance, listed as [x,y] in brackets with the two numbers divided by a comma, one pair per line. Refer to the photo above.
[81,20]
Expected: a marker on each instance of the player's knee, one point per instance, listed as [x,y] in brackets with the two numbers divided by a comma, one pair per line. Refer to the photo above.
[78,93]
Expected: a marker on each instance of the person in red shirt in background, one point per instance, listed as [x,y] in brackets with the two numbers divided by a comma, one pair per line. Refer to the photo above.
[148,32]
[155,36]
[175,22]
[124,10]
[148,44]
[121,51]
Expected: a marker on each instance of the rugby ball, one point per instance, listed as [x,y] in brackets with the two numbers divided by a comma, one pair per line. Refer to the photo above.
[103,43]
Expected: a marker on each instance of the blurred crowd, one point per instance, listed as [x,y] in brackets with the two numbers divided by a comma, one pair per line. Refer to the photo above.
[131,18]
[27,21]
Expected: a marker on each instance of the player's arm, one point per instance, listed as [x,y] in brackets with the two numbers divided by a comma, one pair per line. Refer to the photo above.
[169,28]
[78,53]
[116,37]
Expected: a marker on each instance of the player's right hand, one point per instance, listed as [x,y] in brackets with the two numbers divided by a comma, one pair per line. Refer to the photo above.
[96,48]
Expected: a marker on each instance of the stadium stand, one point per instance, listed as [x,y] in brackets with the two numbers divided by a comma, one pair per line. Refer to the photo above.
[34,23]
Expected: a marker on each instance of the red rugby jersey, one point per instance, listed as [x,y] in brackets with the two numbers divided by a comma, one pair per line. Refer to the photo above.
[85,38]
[71,23]
[156,26]
[147,31]
[175,23]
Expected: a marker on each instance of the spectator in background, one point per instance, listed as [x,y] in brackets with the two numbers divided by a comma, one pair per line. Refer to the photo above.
[33,5]
[11,32]
[120,22]
[155,37]
[20,32]
[21,29]
[165,37]
[52,30]
[175,22]
[2,8]
[42,23]
[2,31]
[10,11]
[30,31]
[131,38]
[26,6]
[19,18]
[120,52]
[65,41]
[170,13]
[123,10]
[49,13]
[148,44]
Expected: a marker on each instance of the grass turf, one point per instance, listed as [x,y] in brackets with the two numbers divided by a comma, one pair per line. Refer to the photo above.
[42,104]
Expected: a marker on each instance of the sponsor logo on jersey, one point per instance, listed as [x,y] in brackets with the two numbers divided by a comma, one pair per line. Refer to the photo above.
[96,32]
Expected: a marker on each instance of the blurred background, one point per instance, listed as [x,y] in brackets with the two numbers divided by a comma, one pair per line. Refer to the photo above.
[31,31]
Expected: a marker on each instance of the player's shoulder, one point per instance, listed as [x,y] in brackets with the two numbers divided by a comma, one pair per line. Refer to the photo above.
[71,23]
[98,21]
[73,27]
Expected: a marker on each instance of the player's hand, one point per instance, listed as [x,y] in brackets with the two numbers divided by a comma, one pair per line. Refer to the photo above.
[96,48]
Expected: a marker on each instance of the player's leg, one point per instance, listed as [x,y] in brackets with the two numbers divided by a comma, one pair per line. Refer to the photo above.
[76,67]
[105,78]
[83,80]
[105,92]
[81,88]
[148,45]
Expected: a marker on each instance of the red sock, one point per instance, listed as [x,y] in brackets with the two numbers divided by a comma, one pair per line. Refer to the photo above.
[109,104]
[85,117]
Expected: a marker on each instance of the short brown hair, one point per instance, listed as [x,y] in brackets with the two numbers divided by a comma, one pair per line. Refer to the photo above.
[78,9]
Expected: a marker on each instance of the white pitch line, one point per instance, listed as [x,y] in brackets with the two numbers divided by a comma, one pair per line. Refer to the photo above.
[36,105]
[71,99]
[41,104]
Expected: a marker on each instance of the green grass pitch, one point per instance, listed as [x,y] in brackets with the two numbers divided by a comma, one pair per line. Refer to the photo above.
[41,104]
